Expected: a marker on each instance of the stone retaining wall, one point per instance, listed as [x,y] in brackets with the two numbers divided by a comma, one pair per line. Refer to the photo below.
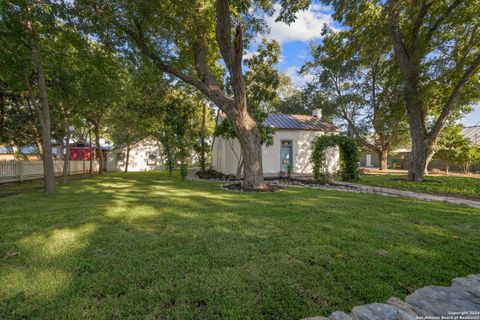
[459,301]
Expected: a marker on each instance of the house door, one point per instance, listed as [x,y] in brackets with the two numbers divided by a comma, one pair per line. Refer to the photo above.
[286,155]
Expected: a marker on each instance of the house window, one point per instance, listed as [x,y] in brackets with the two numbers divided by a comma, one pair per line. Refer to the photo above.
[152,159]
[120,158]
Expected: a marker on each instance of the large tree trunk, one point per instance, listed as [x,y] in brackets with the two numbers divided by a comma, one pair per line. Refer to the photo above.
[49,171]
[43,110]
[383,159]
[250,144]
[127,158]
[90,150]
[203,160]
[96,129]
[418,156]
[409,57]
[447,167]
[66,159]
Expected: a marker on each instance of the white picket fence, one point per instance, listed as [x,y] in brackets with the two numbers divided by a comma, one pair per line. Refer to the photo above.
[26,170]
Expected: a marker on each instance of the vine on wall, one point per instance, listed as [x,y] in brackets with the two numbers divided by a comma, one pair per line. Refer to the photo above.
[349,156]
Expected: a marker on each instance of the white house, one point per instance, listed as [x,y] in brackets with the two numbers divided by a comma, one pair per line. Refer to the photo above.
[292,145]
[144,155]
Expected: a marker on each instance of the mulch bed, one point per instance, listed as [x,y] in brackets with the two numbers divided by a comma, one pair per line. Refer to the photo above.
[240,188]
[211,174]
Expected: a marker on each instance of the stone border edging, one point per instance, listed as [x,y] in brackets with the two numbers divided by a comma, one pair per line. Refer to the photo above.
[462,298]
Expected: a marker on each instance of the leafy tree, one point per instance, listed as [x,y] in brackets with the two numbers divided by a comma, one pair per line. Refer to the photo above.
[66,69]
[301,100]
[178,135]
[101,96]
[139,108]
[452,146]
[360,86]
[27,28]
[437,48]
[17,120]
[185,40]
[468,157]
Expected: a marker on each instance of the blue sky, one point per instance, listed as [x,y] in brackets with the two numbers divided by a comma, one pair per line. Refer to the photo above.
[295,39]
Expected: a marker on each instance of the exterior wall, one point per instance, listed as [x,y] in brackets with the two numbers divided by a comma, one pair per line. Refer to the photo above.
[145,155]
[224,159]
[225,155]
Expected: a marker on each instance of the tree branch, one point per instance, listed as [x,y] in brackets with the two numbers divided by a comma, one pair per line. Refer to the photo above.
[401,52]
[419,22]
[231,50]
[223,32]
[209,88]
[453,98]
[440,19]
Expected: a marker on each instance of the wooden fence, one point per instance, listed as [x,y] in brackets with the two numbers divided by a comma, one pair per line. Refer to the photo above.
[26,170]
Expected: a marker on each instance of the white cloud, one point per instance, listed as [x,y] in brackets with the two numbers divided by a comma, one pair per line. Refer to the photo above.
[308,25]
[298,80]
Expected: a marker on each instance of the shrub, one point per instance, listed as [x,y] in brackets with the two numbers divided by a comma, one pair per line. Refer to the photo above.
[348,156]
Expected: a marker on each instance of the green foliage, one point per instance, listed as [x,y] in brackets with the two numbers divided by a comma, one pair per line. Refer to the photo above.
[359,84]
[179,129]
[348,156]
[452,145]
[470,156]
[301,100]
[454,148]
[17,120]
[141,106]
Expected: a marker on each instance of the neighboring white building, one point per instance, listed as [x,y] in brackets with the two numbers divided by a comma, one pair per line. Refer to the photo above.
[145,155]
[292,145]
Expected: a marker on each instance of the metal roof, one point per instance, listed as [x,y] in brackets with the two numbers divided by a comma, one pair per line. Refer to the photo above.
[472,133]
[298,122]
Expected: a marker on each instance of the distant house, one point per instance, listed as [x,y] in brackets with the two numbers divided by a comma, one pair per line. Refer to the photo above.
[144,155]
[472,133]
[398,159]
[81,151]
[29,153]
[292,145]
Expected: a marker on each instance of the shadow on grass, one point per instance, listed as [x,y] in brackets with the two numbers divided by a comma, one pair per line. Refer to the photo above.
[145,245]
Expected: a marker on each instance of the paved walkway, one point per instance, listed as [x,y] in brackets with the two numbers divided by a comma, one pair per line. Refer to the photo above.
[459,301]
[408,194]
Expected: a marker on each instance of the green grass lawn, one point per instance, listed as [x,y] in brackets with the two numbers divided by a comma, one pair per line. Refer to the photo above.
[443,185]
[146,246]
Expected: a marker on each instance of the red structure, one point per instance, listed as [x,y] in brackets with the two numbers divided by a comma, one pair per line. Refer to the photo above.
[81,151]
